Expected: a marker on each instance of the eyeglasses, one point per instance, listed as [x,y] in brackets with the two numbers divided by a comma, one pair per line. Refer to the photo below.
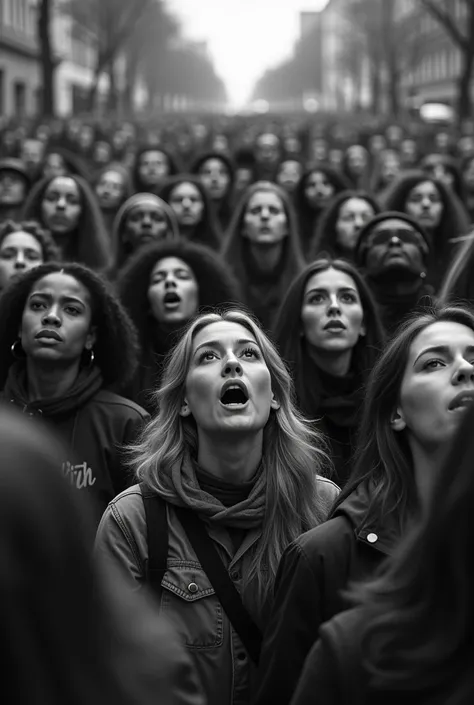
[405,235]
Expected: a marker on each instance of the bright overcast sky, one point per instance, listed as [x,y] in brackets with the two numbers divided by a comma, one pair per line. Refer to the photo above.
[244,36]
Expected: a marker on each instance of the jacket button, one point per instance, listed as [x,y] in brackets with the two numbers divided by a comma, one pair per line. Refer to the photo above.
[372,538]
[192,587]
[235,575]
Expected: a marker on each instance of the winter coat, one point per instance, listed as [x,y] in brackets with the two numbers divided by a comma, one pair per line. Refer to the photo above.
[313,572]
[94,424]
[188,598]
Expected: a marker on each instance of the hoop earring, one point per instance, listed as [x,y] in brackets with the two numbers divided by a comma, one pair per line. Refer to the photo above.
[16,349]
[89,362]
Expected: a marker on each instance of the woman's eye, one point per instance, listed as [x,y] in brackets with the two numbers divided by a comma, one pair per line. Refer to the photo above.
[316,299]
[207,356]
[348,298]
[36,305]
[72,310]
[250,352]
[433,364]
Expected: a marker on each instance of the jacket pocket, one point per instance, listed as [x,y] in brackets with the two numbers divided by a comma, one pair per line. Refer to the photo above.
[190,602]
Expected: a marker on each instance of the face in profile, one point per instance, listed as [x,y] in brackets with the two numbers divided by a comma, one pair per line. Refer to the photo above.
[110,190]
[215,178]
[61,207]
[437,386]
[265,220]
[56,325]
[187,203]
[424,203]
[332,316]
[173,292]
[394,246]
[353,215]
[228,387]
[19,251]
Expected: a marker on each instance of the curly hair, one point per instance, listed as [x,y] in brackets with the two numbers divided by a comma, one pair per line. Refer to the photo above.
[116,348]
[216,284]
[90,246]
[44,237]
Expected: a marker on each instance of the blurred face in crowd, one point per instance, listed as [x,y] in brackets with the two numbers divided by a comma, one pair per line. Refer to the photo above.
[377,144]
[442,141]
[228,385]
[144,223]
[353,215]
[289,174]
[394,134]
[187,203]
[119,140]
[438,170]
[61,207]
[110,190]
[466,145]
[318,190]
[394,246]
[265,219]
[468,175]
[19,251]
[173,293]
[409,152]
[390,166]
[243,178]
[102,152]
[267,149]
[32,153]
[220,143]
[438,385]
[292,145]
[54,165]
[215,178]
[357,159]
[336,157]
[12,188]
[56,324]
[86,137]
[153,167]
[319,149]
[332,317]
[424,203]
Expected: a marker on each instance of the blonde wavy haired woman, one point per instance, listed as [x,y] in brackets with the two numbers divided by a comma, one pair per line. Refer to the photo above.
[229,447]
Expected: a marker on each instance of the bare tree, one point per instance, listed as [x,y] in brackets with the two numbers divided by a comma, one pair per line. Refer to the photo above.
[461,31]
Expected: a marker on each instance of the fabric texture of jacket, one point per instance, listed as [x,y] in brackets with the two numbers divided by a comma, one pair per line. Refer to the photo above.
[313,571]
[94,424]
[188,598]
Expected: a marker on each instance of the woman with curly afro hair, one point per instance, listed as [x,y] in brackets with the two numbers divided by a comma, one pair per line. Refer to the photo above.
[22,247]
[64,338]
[163,287]
[68,208]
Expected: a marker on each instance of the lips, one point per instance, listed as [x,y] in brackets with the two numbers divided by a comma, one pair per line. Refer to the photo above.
[335,325]
[171,297]
[49,334]
[462,400]
[234,394]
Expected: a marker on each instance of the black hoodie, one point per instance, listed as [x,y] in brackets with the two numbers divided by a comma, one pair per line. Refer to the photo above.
[313,572]
[94,424]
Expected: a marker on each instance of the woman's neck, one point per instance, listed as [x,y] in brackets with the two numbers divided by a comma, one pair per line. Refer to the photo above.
[427,464]
[233,460]
[266,257]
[48,382]
[336,364]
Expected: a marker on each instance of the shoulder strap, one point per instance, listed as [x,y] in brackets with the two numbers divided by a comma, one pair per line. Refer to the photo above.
[219,578]
[157,538]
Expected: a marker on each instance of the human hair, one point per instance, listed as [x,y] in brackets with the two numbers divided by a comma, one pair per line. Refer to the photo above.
[90,244]
[292,454]
[120,169]
[174,167]
[325,239]
[418,633]
[216,284]
[337,180]
[458,283]
[383,459]
[206,156]
[430,161]
[44,238]
[288,331]
[206,231]
[116,348]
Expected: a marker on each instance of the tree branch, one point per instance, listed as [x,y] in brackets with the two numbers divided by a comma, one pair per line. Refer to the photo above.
[446,20]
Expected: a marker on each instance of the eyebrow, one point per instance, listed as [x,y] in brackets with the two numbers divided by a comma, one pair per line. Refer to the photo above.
[442,349]
[217,344]
[322,288]
[67,299]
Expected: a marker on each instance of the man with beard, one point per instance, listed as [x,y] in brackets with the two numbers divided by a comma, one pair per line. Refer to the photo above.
[393,250]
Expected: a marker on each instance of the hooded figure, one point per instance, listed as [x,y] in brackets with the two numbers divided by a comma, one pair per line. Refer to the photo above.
[142,219]
[393,251]
[163,287]
[14,186]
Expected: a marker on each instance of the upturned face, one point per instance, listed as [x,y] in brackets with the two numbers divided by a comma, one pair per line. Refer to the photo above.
[353,215]
[173,292]
[394,245]
[424,203]
[228,385]
[61,207]
[265,220]
[145,223]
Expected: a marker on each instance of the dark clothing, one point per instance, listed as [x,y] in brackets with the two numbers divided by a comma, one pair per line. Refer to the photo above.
[94,423]
[313,571]
[394,308]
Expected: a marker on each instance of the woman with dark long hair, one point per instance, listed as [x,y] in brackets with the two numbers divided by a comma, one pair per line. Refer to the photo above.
[216,172]
[329,332]
[263,249]
[67,207]
[409,639]
[22,247]
[163,287]
[64,339]
[413,406]
[228,453]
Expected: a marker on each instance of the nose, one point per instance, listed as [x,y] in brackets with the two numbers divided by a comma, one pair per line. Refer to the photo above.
[395,241]
[61,203]
[264,214]
[464,372]
[231,367]
[170,281]
[186,203]
[358,222]
[333,306]
[426,203]
[20,261]
[51,317]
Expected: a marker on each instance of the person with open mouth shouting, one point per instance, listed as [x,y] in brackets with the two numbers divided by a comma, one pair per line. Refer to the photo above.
[228,473]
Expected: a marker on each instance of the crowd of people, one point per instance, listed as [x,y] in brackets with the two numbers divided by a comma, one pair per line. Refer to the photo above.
[236,372]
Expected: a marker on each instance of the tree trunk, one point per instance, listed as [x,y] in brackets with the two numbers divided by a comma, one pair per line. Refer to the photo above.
[376,87]
[464,102]
[47,62]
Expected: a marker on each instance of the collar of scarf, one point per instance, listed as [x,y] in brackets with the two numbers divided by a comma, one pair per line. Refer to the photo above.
[180,487]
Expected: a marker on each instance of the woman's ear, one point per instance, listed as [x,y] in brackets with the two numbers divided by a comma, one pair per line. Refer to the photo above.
[91,338]
[363,330]
[185,410]
[275,404]
[397,421]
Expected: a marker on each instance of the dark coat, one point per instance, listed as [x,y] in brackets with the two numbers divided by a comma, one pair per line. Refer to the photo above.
[313,572]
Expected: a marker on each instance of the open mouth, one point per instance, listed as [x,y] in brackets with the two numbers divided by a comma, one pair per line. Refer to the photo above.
[234,396]
[171,299]
[461,401]
[335,325]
